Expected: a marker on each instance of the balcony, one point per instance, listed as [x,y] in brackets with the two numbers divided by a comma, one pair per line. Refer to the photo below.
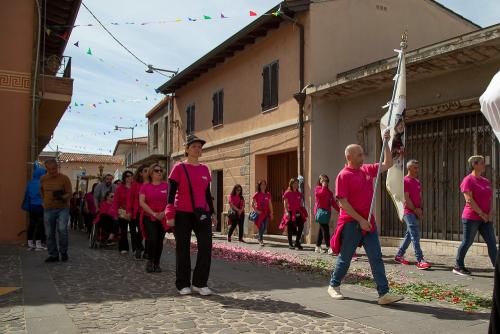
[55,89]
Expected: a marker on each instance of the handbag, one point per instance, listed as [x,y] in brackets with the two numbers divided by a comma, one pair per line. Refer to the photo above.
[323,216]
[253,216]
[232,214]
[202,215]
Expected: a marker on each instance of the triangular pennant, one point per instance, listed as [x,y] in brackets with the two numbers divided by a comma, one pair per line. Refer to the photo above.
[178,20]
[191,19]
[93,105]
[277,13]
[206,17]
[64,36]
[252,13]
[222,16]
[77,44]
[76,104]
[89,52]
[146,98]
[106,101]
[114,101]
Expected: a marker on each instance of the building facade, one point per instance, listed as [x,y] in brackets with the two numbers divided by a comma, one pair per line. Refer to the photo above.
[35,90]
[131,150]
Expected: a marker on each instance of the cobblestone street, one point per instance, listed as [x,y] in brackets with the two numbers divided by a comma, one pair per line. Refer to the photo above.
[102,291]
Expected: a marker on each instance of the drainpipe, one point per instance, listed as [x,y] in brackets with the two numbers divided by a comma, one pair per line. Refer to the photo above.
[33,146]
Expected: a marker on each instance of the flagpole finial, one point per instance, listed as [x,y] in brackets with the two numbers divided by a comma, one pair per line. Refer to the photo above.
[404,40]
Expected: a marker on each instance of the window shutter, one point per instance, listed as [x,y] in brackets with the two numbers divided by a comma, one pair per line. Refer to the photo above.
[274,84]
[215,114]
[188,119]
[221,107]
[265,88]
[192,118]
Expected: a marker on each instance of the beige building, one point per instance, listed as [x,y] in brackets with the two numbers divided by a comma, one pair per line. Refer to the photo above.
[443,122]
[85,169]
[240,96]
[131,150]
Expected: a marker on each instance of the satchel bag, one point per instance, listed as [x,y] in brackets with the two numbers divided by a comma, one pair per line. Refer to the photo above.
[323,216]
[202,215]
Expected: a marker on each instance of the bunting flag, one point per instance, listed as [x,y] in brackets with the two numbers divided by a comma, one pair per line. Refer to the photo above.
[490,104]
[77,44]
[191,19]
[252,13]
[222,16]
[89,52]
[393,119]
[206,17]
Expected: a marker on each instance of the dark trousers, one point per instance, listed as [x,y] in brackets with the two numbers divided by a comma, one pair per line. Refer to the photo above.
[154,234]
[36,230]
[295,228]
[74,219]
[185,223]
[107,224]
[239,223]
[123,225]
[495,309]
[89,219]
[324,233]
[136,234]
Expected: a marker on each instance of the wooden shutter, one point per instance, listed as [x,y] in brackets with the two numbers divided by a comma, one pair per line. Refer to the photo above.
[266,88]
[215,113]
[193,112]
[221,107]
[274,84]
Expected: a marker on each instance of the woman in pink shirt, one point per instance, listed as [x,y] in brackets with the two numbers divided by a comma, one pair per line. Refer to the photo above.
[105,219]
[294,213]
[89,209]
[324,202]
[120,211]
[477,213]
[140,177]
[190,208]
[153,201]
[237,204]
[263,206]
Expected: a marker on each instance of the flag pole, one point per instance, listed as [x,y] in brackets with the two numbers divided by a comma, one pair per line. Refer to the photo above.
[401,53]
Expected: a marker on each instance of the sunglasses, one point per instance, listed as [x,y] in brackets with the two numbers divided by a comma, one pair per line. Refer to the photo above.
[157,170]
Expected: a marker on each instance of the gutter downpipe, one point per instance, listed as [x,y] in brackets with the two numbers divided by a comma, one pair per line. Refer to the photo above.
[33,147]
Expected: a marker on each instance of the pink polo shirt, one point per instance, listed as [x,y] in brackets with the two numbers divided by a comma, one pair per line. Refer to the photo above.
[200,181]
[236,200]
[155,196]
[356,186]
[481,193]
[412,187]
[294,199]
[262,200]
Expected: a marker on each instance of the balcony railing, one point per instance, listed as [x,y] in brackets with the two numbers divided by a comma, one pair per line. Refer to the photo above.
[57,66]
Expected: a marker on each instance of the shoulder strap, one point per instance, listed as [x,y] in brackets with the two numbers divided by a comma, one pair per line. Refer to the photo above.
[189,184]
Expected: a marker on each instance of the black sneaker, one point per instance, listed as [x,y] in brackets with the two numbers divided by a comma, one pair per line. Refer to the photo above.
[299,247]
[291,247]
[145,256]
[138,254]
[51,259]
[64,257]
[149,267]
[157,268]
[462,271]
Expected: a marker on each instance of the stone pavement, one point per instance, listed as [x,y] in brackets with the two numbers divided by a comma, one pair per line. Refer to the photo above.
[102,291]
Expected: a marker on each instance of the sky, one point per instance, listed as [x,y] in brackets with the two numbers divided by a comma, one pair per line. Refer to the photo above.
[111,87]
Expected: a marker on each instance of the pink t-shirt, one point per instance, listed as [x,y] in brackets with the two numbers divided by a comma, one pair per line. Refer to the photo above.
[323,198]
[236,200]
[155,196]
[262,200]
[200,181]
[356,186]
[412,187]
[294,199]
[481,193]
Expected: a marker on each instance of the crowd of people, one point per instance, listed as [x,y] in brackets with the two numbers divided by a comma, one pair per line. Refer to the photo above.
[148,206]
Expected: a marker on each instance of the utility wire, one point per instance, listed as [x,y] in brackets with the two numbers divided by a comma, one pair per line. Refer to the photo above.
[116,39]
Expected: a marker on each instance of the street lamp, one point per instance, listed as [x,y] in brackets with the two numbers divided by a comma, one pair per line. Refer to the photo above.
[128,128]
[152,69]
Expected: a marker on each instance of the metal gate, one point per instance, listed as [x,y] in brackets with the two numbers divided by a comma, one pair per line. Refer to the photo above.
[442,146]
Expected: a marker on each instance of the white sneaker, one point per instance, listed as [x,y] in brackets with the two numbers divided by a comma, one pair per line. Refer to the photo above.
[389,298]
[335,293]
[317,249]
[185,291]
[203,291]
[31,245]
[124,252]
[38,246]
[330,252]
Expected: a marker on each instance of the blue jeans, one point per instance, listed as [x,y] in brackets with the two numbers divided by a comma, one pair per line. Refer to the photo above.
[351,238]
[470,230]
[412,235]
[262,228]
[56,219]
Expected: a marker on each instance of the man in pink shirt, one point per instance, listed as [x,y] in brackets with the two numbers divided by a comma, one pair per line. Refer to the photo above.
[354,191]
[413,215]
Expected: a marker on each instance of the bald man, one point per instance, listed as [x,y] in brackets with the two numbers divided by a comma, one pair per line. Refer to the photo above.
[354,191]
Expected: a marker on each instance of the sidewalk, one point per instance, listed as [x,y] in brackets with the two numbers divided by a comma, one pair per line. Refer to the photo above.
[101,291]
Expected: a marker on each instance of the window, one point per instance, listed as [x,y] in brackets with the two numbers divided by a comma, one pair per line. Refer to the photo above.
[218,113]
[190,119]
[270,75]
[155,135]
[128,159]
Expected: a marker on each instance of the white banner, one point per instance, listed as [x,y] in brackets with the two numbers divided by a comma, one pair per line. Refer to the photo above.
[395,175]
[490,104]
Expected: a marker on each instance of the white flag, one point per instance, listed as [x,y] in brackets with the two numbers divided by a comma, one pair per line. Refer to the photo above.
[490,104]
[395,175]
